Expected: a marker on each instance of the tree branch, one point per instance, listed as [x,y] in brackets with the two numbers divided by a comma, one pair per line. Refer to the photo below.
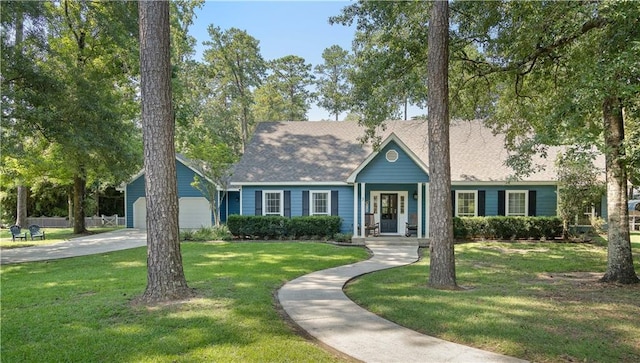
[540,51]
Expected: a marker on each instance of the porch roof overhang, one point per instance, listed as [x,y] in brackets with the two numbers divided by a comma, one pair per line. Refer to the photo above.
[391,138]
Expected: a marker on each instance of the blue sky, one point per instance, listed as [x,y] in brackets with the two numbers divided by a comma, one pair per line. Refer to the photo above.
[283,28]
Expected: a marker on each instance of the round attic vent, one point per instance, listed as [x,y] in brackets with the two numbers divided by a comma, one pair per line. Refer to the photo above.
[392,156]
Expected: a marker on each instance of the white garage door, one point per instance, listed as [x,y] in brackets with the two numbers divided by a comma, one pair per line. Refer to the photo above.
[194,212]
[140,213]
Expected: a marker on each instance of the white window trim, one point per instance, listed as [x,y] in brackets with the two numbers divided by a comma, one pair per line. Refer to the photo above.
[475,203]
[264,202]
[311,206]
[526,202]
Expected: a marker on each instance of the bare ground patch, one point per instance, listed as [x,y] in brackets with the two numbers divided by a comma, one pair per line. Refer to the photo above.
[586,287]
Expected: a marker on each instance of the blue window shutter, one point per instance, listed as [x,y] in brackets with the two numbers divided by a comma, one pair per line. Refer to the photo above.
[287,203]
[305,202]
[501,211]
[453,203]
[258,203]
[532,203]
[334,202]
[481,203]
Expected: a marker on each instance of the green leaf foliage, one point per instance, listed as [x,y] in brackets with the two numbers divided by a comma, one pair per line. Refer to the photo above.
[284,95]
[331,81]
[579,185]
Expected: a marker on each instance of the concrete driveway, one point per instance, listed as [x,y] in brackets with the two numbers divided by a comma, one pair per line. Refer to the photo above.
[121,239]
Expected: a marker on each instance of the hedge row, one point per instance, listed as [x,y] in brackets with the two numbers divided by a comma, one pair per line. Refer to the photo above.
[276,227]
[507,227]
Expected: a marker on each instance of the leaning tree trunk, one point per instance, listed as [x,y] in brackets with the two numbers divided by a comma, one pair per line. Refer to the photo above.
[165,275]
[442,271]
[619,258]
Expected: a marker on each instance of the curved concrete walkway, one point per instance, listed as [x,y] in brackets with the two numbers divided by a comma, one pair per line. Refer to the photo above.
[318,305]
[120,239]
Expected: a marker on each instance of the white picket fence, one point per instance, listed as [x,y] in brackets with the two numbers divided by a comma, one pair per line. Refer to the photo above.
[62,222]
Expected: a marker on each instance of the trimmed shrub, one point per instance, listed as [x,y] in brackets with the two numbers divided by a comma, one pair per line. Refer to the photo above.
[220,233]
[343,237]
[314,226]
[187,235]
[507,227]
[460,230]
[276,227]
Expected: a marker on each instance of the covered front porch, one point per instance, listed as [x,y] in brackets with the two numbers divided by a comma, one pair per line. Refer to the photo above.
[390,193]
[390,210]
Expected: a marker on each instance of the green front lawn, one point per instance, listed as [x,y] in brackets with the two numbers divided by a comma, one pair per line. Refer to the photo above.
[537,301]
[79,310]
[52,235]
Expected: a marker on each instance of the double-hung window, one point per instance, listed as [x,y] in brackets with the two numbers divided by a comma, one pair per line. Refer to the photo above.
[466,203]
[273,203]
[517,203]
[320,203]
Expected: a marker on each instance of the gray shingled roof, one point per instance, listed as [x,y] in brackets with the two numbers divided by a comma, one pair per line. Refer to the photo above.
[329,151]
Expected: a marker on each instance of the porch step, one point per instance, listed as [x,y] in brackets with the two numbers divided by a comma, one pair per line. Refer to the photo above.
[390,241]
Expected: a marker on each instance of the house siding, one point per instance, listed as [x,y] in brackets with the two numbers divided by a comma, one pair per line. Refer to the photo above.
[403,170]
[546,197]
[136,189]
[345,200]
[185,178]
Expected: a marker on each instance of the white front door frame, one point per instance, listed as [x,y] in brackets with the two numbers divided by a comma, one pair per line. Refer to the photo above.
[402,213]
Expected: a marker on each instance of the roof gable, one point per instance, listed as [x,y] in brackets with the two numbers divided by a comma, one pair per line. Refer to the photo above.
[189,163]
[391,140]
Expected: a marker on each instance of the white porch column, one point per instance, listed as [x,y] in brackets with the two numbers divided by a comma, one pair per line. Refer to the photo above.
[419,210]
[427,214]
[355,209]
[217,204]
[362,211]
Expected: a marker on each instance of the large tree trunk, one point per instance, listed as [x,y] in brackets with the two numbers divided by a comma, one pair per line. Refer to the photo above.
[165,275]
[70,206]
[21,204]
[619,258]
[79,189]
[21,207]
[442,271]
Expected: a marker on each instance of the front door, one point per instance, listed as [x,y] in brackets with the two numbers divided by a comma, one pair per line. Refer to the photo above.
[389,213]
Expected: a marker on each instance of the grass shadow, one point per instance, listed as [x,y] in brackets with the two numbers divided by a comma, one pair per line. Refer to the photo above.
[78,309]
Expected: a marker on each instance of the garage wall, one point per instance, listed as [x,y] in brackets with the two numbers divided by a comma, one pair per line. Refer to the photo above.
[193,213]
